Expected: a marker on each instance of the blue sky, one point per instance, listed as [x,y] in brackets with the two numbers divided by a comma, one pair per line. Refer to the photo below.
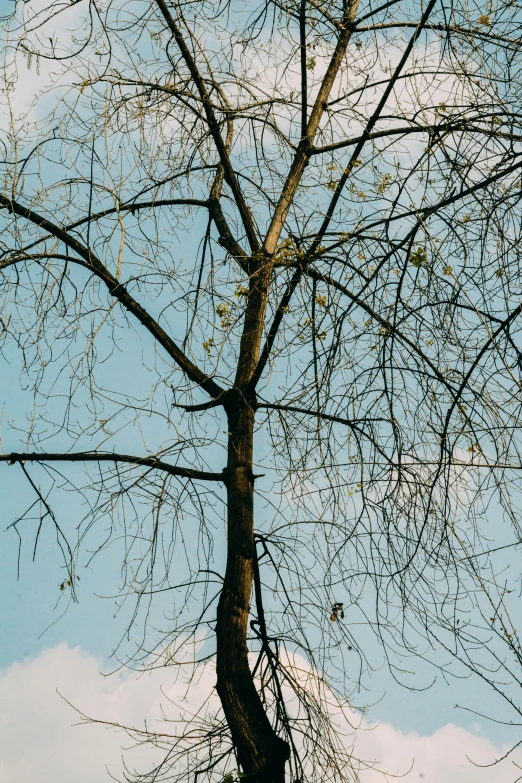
[46,653]
[35,615]
[47,638]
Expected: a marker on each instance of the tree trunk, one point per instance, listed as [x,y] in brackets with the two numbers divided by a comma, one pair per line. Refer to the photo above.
[261,753]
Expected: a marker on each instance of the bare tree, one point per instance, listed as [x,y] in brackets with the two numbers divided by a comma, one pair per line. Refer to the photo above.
[283,237]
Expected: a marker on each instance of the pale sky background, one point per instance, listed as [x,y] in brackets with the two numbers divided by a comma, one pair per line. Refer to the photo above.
[43,651]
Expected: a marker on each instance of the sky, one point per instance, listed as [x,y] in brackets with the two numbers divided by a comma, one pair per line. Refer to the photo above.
[55,654]
[50,660]
[37,689]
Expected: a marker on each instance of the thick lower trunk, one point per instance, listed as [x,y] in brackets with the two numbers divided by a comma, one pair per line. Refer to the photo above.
[261,753]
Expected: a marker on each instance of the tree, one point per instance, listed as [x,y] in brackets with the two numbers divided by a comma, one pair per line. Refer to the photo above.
[283,237]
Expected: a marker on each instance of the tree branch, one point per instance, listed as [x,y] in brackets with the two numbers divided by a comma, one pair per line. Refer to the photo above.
[315,275]
[371,124]
[302,156]
[443,28]
[304,71]
[303,151]
[91,456]
[213,124]
[449,128]
[120,293]
[133,207]
[318,415]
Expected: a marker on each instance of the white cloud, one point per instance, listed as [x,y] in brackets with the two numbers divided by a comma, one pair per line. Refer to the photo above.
[39,742]
[443,756]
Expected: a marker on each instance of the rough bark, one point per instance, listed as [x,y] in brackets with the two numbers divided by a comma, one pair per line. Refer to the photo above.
[261,753]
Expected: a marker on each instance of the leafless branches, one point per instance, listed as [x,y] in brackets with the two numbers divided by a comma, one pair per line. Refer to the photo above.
[275,245]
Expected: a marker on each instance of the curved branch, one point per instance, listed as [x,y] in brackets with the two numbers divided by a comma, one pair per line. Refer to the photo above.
[301,159]
[448,128]
[166,202]
[116,289]
[92,456]
[318,415]
[274,327]
[372,122]
[213,125]
[304,269]
[315,275]
[302,154]
[423,213]
[487,345]
[442,28]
